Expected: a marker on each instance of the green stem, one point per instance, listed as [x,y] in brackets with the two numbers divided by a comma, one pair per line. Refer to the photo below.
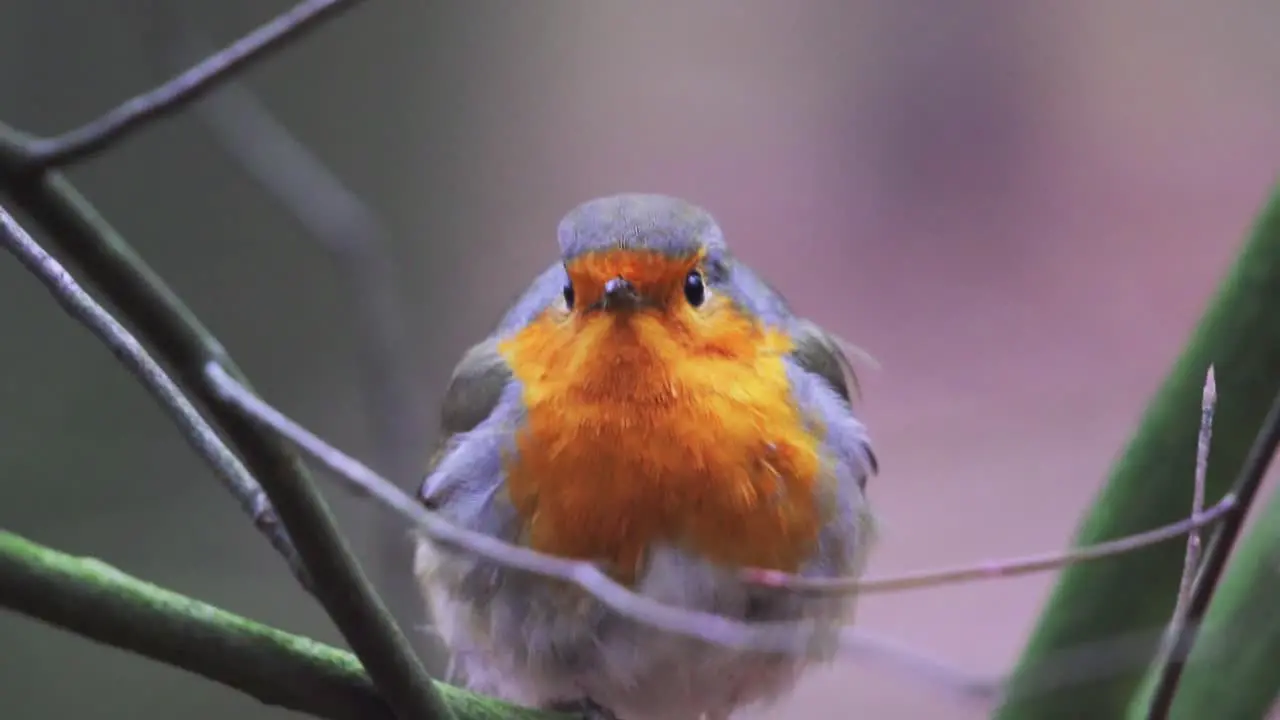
[1152,484]
[96,601]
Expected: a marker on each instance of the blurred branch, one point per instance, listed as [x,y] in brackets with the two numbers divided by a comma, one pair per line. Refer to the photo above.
[98,602]
[1239,335]
[186,346]
[349,229]
[75,145]
[68,293]
[1220,545]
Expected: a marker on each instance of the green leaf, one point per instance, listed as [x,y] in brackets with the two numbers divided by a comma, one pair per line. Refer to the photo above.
[1151,485]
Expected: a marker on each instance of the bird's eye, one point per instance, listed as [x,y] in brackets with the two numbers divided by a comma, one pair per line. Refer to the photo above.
[694,290]
[568,295]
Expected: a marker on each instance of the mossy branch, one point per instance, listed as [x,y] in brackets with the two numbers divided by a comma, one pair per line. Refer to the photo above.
[96,601]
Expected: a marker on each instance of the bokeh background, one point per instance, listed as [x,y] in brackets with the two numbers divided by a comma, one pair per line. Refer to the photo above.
[1019,210]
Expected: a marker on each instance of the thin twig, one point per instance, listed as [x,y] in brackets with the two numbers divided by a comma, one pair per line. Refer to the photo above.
[789,637]
[1215,561]
[785,637]
[177,93]
[999,569]
[98,602]
[1013,567]
[1191,565]
[202,438]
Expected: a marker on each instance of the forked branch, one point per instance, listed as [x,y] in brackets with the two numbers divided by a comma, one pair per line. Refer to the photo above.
[42,154]
[197,432]
[29,177]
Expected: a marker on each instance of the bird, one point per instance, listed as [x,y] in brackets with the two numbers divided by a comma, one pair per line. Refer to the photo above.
[649,404]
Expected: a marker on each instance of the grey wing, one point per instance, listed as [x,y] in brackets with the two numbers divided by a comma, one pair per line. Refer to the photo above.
[820,353]
[466,482]
[472,395]
[473,407]
[847,533]
[824,385]
[479,415]
[815,351]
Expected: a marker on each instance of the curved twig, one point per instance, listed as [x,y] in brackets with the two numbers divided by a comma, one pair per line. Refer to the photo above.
[167,99]
[1014,567]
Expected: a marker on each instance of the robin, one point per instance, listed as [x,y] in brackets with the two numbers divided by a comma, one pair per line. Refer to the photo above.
[651,405]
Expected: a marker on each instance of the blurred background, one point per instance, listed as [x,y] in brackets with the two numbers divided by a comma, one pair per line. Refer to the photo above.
[1018,210]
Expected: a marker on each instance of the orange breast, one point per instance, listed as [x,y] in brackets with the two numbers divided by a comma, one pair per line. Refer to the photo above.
[644,429]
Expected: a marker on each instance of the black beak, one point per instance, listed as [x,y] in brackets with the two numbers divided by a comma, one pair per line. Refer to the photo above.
[619,293]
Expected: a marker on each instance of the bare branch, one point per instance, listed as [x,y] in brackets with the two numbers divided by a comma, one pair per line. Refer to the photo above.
[998,569]
[98,602]
[135,358]
[169,98]
[1215,561]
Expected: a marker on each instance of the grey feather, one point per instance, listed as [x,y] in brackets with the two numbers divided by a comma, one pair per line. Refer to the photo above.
[819,352]
[474,391]
[638,221]
[475,388]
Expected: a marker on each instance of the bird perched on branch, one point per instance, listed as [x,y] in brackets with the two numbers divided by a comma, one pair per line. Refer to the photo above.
[651,405]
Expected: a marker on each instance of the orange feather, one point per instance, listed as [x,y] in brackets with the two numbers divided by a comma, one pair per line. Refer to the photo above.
[664,424]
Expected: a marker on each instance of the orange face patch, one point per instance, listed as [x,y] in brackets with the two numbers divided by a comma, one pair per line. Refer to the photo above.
[657,276]
[668,425]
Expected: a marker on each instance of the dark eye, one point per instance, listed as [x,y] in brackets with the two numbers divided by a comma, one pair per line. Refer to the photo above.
[568,295]
[694,291]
